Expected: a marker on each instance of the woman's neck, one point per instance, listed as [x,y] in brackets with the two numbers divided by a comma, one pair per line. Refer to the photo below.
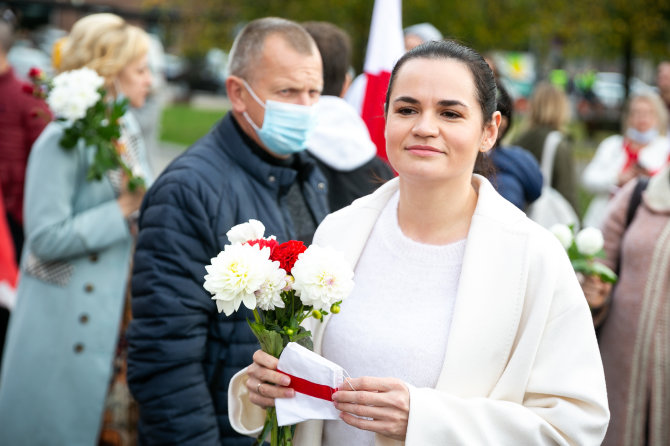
[436,215]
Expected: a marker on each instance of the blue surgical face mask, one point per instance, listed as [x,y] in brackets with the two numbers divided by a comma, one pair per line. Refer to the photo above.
[286,127]
[642,137]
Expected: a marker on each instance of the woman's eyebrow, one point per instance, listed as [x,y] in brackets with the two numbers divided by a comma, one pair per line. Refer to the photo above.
[450,103]
[408,99]
[441,103]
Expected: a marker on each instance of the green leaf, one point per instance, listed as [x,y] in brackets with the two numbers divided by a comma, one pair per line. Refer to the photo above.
[271,341]
[591,268]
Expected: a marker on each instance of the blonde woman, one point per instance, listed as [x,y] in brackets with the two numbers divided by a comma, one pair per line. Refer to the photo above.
[549,110]
[64,332]
[641,150]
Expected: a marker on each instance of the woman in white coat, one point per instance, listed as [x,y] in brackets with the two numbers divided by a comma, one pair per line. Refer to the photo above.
[643,149]
[466,324]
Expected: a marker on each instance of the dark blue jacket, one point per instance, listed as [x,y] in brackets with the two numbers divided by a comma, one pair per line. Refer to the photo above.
[182,353]
[518,175]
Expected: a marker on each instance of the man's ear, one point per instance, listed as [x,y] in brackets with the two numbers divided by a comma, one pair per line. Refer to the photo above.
[346,84]
[491,132]
[236,92]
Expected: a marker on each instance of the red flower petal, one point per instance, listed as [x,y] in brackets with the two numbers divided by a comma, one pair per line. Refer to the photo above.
[34,72]
[27,88]
[262,243]
[287,254]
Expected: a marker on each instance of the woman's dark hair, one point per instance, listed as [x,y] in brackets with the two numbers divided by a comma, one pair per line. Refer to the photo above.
[506,108]
[485,84]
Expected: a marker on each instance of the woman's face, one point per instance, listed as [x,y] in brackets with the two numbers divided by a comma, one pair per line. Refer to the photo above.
[134,81]
[434,122]
[642,115]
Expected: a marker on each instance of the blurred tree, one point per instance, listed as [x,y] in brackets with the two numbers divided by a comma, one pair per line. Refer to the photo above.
[595,29]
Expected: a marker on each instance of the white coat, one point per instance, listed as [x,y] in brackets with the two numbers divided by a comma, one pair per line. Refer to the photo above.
[522,364]
[601,175]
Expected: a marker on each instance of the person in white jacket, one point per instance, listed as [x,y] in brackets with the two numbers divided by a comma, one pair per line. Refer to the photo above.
[466,325]
[642,150]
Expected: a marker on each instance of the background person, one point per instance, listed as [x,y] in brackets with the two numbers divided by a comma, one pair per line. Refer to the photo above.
[663,82]
[22,119]
[482,357]
[549,110]
[420,33]
[251,164]
[340,142]
[641,150]
[518,176]
[634,335]
[64,331]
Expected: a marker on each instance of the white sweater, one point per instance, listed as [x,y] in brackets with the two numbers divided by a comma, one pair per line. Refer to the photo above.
[413,285]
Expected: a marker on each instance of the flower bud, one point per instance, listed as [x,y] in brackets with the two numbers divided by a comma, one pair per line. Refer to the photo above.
[317,314]
[289,283]
[334,308]
[563,233]
[289,331]
[589,241]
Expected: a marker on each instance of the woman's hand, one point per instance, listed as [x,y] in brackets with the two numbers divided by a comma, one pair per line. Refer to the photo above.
[379,405]
[265,383]
[130,202]
[597,295]
[596,291]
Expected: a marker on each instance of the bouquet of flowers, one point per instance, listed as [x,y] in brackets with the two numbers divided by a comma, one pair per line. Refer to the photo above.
[583,248]
[283,284]
[78,98]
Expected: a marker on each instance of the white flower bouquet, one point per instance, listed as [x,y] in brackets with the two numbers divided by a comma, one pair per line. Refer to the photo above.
[583,248]
[79,99]
[283,284]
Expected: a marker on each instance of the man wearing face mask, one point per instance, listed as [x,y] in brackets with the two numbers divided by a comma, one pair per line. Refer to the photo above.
[641,150]
[251,164]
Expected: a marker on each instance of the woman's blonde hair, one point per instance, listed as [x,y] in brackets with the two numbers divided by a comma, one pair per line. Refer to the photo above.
[657,104]
[548,106]
[103,42]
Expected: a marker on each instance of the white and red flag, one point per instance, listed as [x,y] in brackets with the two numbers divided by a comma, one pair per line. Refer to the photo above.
[385,46]
[314,379]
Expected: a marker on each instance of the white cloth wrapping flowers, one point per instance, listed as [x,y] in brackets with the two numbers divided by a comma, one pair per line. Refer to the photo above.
[302,363]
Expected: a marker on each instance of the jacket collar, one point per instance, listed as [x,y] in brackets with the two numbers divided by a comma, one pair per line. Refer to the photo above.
[228,138]
[657,195]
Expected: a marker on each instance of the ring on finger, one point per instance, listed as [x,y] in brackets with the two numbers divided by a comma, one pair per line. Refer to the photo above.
[258,388]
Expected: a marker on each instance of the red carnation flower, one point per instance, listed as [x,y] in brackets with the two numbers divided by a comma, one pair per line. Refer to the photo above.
[34,73]
[262,243]
[287,254]
[27,88]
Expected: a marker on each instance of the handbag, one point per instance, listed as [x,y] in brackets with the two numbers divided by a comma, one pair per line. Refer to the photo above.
[551,207]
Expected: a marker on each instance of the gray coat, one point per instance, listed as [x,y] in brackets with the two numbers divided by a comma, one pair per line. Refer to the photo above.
[63,331]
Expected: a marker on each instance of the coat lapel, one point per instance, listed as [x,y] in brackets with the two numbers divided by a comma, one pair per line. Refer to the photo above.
[489,300]
[351,236]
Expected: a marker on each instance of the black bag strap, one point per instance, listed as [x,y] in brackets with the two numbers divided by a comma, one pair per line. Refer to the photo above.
[635,199]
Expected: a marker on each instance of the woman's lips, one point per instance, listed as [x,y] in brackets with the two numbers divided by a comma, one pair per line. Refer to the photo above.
[420,150]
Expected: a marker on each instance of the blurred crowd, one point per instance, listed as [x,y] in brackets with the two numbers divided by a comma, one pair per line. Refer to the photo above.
[93,320]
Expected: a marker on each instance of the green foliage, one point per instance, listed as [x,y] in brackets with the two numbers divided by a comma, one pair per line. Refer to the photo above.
[100,129]
[597,28]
